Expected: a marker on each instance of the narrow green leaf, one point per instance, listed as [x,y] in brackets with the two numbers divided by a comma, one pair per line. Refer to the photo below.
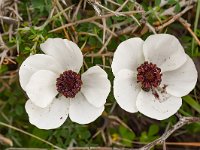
[177,8]
[194,104]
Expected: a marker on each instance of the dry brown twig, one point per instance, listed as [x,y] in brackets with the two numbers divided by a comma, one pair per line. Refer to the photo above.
[187,26]
[106,43]
[95,6]
[175,17]
[182,4]
[8,20]
[108,54]
[122,6]
[98,5]
[182,121]
[76,11]
[188,3]
[107,29]
[92,19]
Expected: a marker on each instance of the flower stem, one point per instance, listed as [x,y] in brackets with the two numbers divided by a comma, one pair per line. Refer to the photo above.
[29,134]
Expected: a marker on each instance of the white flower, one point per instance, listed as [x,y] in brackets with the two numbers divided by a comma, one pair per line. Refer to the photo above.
[56,90]
[151,76]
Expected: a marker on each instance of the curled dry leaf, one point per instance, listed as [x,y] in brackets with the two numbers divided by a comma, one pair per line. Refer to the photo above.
[5,141]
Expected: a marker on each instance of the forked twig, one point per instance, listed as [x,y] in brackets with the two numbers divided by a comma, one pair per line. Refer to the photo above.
[182,121]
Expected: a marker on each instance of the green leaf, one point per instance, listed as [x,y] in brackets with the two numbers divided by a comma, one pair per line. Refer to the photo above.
[92,41]
[177,8]
[120,1]
[153,130]
[198,32]
[184,113]
[41,5]
[19,110]
[157,2]
[128,135]
[3,68]
[144,137]
[190,101]
[125,133]
[40,133]
[172,2]
[83,133]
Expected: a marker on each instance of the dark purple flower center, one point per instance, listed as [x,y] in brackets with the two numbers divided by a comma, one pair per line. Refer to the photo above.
[149,76]
[69,83]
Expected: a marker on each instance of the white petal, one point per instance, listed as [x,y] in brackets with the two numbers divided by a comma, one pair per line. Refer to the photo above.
[126,90]
[165,51]
[35,63]
[41,88]
[155,108]
[182,80]
[66,52]
[82,112]
[96,86]
[50,117]
[129,55]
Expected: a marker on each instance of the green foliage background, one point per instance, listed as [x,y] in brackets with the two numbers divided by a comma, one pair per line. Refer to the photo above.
[115,127]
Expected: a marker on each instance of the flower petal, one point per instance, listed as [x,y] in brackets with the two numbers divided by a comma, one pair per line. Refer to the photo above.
[82,112]
[182,80]
[155,108]
[41,88]
[50,117]
[96,86]
[165,51]
[126,90]
[129,55]
[66,52]
[35,63]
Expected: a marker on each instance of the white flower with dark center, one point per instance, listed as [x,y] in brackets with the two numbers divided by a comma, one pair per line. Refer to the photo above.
[151,76]
[56,90]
